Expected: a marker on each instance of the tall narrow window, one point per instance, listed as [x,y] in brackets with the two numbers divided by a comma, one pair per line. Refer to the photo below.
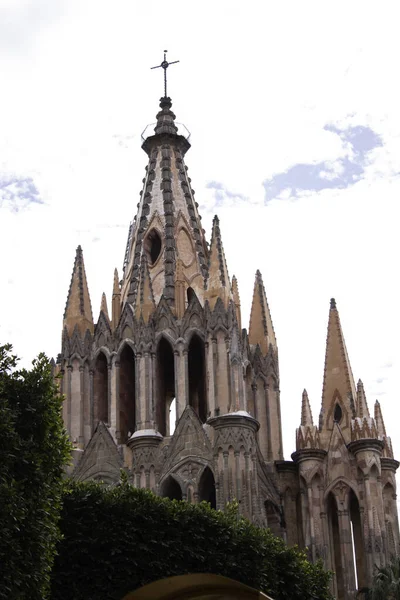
[250,393]
[100,390]
[166,384]
[357,541]
[126,393]
[152,246]
[172,416]
[196,363]
[335,545]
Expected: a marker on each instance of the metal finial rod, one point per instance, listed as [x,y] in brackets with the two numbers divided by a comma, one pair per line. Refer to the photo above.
[164,65]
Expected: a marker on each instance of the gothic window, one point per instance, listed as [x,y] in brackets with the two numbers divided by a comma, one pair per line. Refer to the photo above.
[100,390]
[196,365]
[152,246]
[190,294]
[172,417]
[337,413]
[357,541]
[335,545]
[126,393]
[207,488]
[171,489]
[166,385]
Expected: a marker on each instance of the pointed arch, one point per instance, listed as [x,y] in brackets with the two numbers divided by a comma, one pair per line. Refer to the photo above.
[171,489]
[206,488]
[165,367]
[100,389]
[357,540]
[197,377]
[127,392]
[334,539]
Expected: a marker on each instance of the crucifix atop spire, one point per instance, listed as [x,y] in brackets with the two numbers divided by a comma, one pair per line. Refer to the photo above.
[165,64]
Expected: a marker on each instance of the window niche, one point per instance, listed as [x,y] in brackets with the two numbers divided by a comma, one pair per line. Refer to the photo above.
[152,246]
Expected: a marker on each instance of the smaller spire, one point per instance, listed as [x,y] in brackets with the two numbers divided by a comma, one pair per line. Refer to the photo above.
[78,310]
[116,301]
[103,306]
[380,425]
[236,300]
[306,414]
[333,303]
[116,290]
[261,329]
[362,406]
[218,284]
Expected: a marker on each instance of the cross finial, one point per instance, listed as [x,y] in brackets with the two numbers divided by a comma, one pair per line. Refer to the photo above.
[165,64]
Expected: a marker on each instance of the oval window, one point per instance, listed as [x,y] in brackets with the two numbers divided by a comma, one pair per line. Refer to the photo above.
[152,246]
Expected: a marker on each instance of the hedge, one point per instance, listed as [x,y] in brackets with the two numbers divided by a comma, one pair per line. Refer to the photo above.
[118,539]
[33,451]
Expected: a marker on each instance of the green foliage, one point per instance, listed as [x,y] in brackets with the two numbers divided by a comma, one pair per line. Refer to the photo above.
[116,539]
[33,451]
[386,582]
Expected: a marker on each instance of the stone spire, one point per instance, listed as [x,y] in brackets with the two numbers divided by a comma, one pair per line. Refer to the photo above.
[362,406]
[261,330]
[116,301]
[339,391]
[380,425]
[306,414]
[145,304]
[218,284]
[78,310]
[307,435]
[381,429]
[167,226]
[236,300]
[103,306]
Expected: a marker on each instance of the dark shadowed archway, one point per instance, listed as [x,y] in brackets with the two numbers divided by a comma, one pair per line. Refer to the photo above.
[100,390]
[197,375]
[207,488]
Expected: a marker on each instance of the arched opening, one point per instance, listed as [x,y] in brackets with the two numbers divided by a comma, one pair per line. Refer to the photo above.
[196,365]
[335,545]
[389,507]
[172,417]
[100,390]
[152,246]
[127,422]
[171,489]
[207,488]
[357,541]
[251,408]
[166,385]
[337,414]
[190,294]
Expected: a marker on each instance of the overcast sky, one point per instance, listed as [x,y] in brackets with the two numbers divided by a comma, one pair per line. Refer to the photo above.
[294,113]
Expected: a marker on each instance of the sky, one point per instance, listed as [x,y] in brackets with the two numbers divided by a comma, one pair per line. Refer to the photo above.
[293,109]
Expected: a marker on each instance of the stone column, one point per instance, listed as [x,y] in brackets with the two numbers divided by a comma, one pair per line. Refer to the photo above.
[91,404]
[69,398]
[81,407]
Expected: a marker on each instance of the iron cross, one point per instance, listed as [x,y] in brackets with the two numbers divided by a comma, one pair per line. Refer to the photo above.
[165,64]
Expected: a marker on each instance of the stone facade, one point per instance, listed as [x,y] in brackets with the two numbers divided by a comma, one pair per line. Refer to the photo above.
[175,341]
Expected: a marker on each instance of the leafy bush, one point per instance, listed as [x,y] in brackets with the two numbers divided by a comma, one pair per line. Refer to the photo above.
[33,452]
[118,539]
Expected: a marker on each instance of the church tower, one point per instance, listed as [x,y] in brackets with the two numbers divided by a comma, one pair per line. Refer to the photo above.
[169,386]
[346,475]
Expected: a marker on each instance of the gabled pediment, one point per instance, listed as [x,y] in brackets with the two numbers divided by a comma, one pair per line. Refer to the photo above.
[100,459]
[189,439]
